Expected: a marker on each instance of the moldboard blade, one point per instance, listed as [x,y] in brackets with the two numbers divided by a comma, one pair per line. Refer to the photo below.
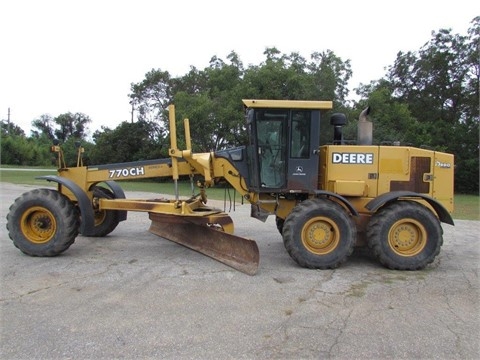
[237,252]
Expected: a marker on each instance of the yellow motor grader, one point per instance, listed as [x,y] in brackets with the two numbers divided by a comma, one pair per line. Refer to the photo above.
[326,198]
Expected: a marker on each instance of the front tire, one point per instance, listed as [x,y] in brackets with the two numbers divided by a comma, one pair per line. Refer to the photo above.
[319,234]
[405,235]
[42,222]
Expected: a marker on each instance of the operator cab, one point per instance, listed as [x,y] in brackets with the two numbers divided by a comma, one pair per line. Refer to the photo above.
[282,153]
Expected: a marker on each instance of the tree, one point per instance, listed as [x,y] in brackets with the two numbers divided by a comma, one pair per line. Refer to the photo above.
[127,142]
[225,89]
[392,119]
[71,125]
[61,127]
[211,98]
[68,128]
[44,127]
[440,85]
[206,97]
[17,149]
[330,75]
[429,97]
[151,97]
[9,128]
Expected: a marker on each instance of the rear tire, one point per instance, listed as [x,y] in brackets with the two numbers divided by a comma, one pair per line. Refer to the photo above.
[319,234]
[105,220]
[405,235]
[279,222]
[42,222]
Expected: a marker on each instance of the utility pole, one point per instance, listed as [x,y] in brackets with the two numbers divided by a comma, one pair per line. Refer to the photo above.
[8,123]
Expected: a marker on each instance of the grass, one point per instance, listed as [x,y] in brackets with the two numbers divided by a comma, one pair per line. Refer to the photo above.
[25,177]
[164,188]
[467,207]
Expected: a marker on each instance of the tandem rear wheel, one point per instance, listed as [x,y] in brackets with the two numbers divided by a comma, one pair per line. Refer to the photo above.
[405,235]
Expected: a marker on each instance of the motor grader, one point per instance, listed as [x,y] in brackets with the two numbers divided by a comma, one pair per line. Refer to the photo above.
[326,198]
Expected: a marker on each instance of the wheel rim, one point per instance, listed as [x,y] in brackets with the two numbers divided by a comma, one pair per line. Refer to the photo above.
[320,235]
[99,217]
[407,237]
[38,225]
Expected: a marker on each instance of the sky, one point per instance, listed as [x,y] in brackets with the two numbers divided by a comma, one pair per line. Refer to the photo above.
[60,56]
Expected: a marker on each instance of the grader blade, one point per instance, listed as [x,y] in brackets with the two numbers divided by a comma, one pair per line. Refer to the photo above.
[237,252]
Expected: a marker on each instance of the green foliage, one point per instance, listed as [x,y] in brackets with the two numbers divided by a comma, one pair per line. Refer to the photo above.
[150,98]
[431,97]
[128,142]
[198,108]
[392,119]
[211,98]
[67,128]
[43,127]
[70,150]
[19,150]
[9,128]
[71,126]
[62,127]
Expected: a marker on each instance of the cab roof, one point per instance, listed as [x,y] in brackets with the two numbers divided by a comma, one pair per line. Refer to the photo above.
[289,104]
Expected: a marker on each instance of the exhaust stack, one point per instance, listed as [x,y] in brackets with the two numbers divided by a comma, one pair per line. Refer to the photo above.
[365,128]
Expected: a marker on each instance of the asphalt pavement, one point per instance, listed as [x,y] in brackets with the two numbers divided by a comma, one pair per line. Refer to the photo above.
[133,295]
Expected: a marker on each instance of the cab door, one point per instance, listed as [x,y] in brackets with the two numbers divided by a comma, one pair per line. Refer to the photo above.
[267,151]
[303,158]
